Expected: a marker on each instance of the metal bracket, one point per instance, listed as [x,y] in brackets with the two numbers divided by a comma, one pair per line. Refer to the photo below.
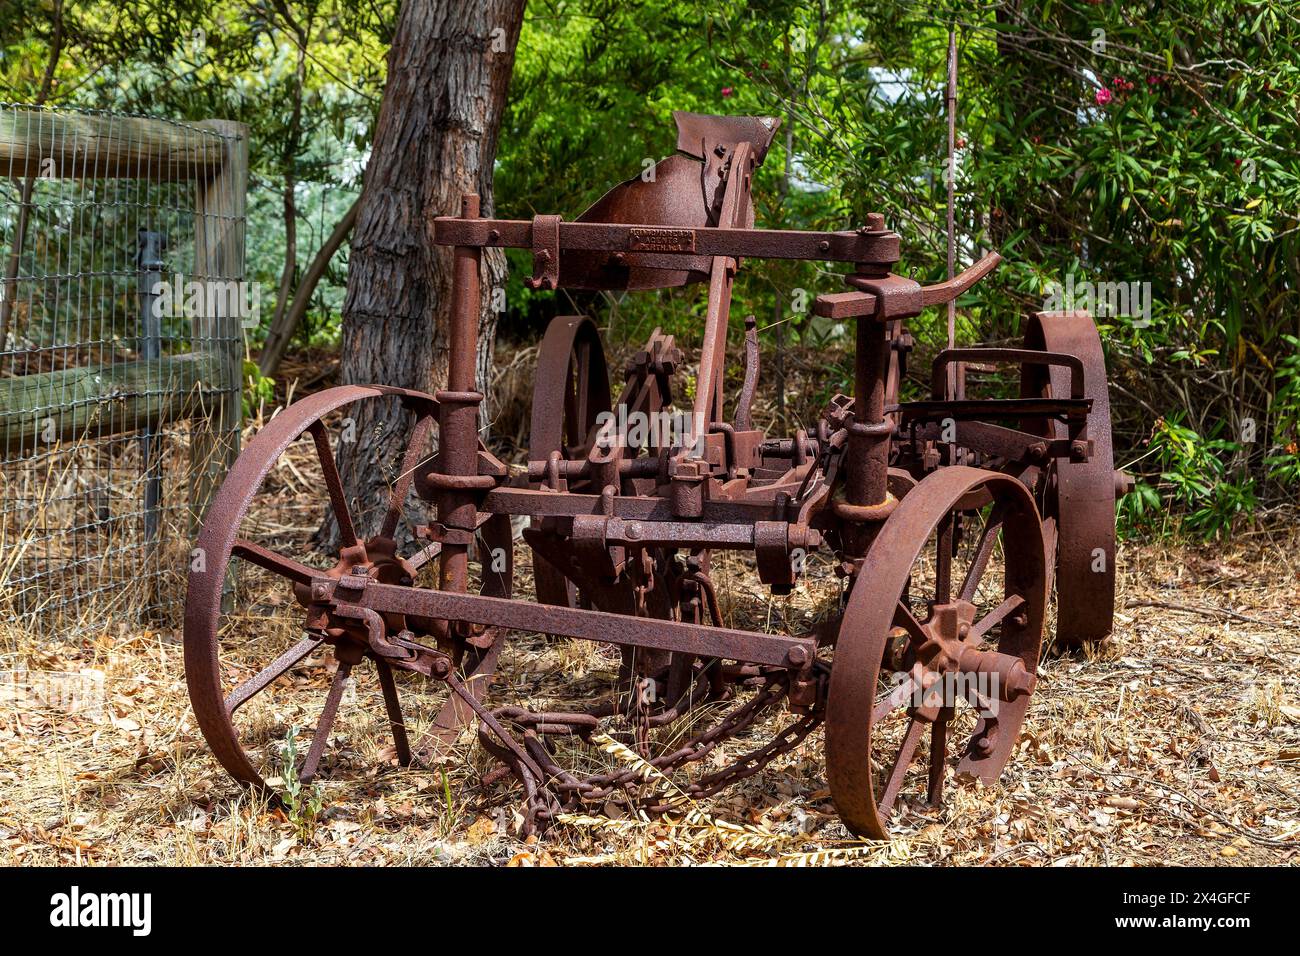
[546,253]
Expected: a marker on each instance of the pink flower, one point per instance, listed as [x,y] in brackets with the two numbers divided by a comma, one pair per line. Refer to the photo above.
[1103,96]
[726,91]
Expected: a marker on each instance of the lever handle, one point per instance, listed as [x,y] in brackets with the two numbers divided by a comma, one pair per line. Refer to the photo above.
[944,291]
[866,301]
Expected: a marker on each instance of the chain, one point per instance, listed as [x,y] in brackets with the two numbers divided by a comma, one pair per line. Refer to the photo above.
[563,792]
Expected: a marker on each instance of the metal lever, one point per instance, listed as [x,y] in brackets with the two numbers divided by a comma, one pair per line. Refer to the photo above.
[894,297]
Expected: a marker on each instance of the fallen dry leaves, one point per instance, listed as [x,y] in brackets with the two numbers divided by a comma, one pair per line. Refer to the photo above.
[1178,743]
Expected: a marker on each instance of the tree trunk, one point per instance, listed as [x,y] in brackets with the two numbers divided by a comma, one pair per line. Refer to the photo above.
[436,139]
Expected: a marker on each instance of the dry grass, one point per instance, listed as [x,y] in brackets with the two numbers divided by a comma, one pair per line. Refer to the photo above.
[1177,744]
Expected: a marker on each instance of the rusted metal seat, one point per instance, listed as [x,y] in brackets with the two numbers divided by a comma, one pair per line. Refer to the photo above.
[682,190]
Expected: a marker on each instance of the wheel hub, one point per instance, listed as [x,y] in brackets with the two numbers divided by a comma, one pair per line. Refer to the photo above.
[374,560]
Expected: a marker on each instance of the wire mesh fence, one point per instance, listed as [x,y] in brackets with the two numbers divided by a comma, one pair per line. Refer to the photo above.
[122,308]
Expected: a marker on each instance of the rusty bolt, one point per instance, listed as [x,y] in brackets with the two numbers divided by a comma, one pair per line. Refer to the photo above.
[441,667]
[1021,682]
[797,656]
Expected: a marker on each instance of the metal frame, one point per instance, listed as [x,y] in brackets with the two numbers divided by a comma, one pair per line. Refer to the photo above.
[622,531]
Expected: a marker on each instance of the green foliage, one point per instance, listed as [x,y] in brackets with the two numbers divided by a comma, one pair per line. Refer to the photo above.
[1284,461]
[237,60]
[258,392]
[1151,142]
[1197,476]
[302,804]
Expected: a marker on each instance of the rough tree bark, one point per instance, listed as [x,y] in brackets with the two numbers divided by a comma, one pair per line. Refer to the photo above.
[436,139]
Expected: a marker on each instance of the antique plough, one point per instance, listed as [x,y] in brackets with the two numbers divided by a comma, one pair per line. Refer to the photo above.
[946,520]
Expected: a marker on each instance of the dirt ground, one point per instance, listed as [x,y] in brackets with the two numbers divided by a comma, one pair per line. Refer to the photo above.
[1176,743]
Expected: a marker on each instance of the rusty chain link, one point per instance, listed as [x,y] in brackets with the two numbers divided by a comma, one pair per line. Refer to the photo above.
[564,792]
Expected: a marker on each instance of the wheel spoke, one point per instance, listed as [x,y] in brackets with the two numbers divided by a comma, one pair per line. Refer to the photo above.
[988,538]
[893,700]
[904,618]
[993,617]
[334,484]
[583,385]
[326,722]
[938,755]
[569,430]
[272,561]
[425,554]
[259,682]
[411,460]
[902,761]
[394,707]
[943,558]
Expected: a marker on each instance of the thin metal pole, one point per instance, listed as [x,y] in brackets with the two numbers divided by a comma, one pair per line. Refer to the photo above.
[458,408]
[952,184]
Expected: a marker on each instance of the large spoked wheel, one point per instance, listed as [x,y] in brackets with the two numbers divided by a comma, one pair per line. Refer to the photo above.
[1077,499]
[570,393]
[267,666]
[938,645]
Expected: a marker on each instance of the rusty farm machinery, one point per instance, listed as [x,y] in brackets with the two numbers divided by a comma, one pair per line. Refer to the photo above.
[949,521]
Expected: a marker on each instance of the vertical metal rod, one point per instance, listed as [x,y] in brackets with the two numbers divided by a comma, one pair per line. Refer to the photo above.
[866,482]
[952,187]
[149,263]
[458,413]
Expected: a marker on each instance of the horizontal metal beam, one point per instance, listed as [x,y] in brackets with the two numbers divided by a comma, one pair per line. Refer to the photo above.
[872,247]
[749,647]
[549,504]
[977,408]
